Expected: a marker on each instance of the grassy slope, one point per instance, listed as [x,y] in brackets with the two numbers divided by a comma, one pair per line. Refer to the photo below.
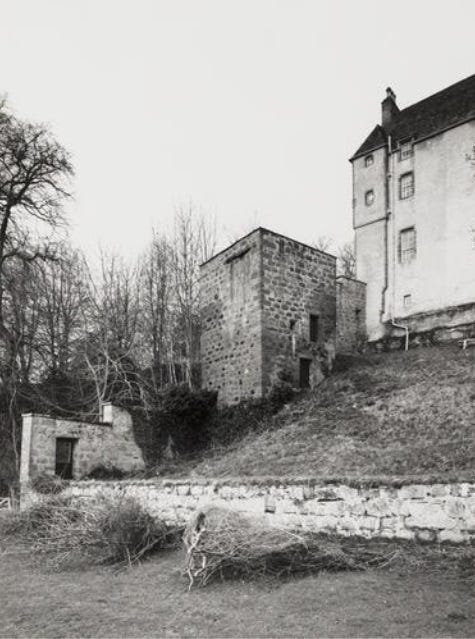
[151,600]
[387,414]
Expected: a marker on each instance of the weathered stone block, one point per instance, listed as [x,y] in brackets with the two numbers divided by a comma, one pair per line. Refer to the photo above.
[455,506]
[414,491]
[297,493]
[426,534]
[380,507]
[369,523]
[455,535]
[327,522]
[326,494]
[426,515]
[439,490]
[183,489]
[349,524]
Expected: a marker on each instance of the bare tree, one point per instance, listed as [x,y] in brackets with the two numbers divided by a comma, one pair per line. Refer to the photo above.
[323,243]
[34,175]
[64,300]
[346,264]
[194,241]
[110,342]
[156,317]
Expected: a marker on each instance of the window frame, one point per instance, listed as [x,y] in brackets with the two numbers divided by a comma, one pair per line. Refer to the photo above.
[369,194]
[407,255]
[406,150]
[314,328]
[369,160]
[405,193]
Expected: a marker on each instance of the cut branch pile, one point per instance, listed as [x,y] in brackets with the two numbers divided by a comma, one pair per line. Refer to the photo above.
[221,543]
[120,532]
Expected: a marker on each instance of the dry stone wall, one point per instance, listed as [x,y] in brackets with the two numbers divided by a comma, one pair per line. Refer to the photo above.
[428,512]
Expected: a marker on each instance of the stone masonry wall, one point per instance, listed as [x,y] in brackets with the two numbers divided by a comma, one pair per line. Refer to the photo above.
[350,314]
[230,290]
[256,300]
[429,512]
[110,443]
[297,281]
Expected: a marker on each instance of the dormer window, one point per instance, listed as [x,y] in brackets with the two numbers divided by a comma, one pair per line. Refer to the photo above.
[405,150]
[369,160]
[369,197]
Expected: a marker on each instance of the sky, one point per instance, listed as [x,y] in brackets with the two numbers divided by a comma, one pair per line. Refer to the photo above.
[248,109]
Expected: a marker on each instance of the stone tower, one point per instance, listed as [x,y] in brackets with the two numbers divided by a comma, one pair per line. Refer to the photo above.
[268,306]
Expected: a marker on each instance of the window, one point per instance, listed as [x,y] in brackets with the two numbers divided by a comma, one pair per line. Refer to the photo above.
[369,197]
[405,150]
[406,186]
[407,245]
[369,160]
[64,457]
[304,377]
[240,267]
[314,328]
[407,301]
[358,317]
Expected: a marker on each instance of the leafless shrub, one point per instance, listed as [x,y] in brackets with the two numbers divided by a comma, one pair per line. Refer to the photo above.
[61,530]
[47,484]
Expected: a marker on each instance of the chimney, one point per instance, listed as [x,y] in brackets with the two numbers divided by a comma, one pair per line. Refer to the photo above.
[389,109]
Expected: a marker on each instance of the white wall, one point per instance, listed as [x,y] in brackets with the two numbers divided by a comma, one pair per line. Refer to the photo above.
[442,210]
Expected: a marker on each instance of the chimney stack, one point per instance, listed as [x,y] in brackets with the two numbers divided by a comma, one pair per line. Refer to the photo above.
[389,109]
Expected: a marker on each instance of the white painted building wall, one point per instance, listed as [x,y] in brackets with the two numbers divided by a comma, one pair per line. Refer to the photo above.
[442,211]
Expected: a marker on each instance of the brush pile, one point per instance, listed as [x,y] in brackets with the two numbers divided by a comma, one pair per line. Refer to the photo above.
[221,543]
[62,530]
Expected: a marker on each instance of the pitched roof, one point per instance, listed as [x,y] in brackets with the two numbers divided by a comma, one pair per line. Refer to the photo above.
[375,140]
[440,111]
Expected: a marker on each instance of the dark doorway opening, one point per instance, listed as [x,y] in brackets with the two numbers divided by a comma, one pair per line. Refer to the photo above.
[304,376]
[64,457]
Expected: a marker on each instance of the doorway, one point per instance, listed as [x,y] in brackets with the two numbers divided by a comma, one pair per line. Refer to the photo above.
[304,374]
[64,457]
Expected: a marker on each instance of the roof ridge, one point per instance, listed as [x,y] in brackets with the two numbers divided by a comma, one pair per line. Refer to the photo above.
[444,109]
[433,95]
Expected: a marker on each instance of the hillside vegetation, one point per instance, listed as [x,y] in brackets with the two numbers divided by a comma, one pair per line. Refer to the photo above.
[389,414]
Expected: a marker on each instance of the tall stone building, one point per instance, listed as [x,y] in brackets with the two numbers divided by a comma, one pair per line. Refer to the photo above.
[268,313]
[414,215]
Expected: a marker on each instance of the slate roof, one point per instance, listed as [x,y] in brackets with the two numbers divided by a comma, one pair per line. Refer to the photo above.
[440,111]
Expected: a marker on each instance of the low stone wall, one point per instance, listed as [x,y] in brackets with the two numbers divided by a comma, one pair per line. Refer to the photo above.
[428,512]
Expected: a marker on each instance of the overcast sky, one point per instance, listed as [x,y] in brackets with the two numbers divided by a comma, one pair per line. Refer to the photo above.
[248,108]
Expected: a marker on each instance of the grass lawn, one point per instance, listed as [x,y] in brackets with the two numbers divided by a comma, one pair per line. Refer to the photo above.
[381,414]
[151,600]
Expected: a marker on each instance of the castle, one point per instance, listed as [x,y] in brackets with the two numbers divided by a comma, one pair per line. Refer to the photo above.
[273,308]
[414,216]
